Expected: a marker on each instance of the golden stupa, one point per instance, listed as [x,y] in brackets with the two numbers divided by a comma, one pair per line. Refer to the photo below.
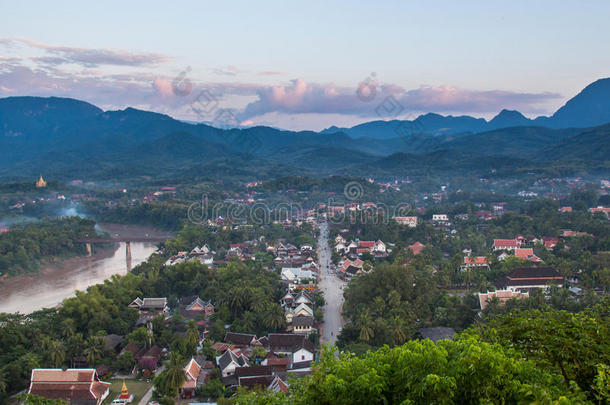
[124,393]
[41,183]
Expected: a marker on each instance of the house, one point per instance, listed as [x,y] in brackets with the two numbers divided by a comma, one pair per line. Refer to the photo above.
[565,209]
[550,242]
[78,386]
[417,248]
[477,261]
[440,218]
[194,307]
[527,254]
[255,377]
[437,333]
[112,342]
[149,358]
[525,278]
[241,339]
[287,300]
[194,379]
[302,324]
[298,347]
[601,209]
[296,274]
[505,244]
[150,305]
[502,295]
[278,385]
[351,268]
[411,222]
[303,299]
[228,362]
[300,310]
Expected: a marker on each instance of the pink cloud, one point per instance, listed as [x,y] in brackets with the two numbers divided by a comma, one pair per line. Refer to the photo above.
[300,97]
[163,87]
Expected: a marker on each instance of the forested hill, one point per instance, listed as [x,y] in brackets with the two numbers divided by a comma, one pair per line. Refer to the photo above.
[66,138]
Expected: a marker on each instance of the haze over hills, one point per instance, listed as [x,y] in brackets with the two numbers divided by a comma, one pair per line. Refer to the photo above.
[67,138]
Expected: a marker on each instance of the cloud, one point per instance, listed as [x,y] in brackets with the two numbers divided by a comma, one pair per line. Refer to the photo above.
[163,87]
[270,73]
[88,57]
[367,100]
[452,99]
[227,71]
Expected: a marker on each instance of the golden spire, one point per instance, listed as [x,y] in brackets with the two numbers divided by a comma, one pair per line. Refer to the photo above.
[124,392]
[41,183]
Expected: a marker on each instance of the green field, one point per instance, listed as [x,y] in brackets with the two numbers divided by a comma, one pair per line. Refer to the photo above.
[137,388]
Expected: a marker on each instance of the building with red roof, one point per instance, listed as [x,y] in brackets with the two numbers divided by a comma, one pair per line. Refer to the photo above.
[73,385]
[505,244]
[417,248]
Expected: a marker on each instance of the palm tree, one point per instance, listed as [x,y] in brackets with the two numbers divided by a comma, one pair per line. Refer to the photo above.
[366,330]
[274,317]
[94,350]
[175,374]
[68,329]
[248,321]
[397,325]
[57,353]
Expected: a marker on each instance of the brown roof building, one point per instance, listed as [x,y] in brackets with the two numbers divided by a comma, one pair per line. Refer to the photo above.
[75,386]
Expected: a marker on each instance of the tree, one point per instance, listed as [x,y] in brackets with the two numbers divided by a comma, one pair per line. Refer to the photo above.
[57,353]
[94,350]
[192,337]
[125,362]
[139,336]
[572,344]
[173,377]
[364,322]
[465,371]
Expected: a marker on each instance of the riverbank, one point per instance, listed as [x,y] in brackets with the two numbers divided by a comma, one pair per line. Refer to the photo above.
[56,281]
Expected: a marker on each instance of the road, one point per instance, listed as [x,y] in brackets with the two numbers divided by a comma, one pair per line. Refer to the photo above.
[332,287]
[147,397]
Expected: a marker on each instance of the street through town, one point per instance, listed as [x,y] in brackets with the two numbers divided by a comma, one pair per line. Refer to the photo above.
[332,287]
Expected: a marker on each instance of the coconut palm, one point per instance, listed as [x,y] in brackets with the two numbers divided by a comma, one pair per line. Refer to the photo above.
[175,374]
[94,350]
[273,317]
[397,326]
[57,353]
[366,330]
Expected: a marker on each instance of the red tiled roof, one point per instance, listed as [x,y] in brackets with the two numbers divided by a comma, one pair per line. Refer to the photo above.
[505,243]
[524,252]
[417,247]
[366,244]
[475,260]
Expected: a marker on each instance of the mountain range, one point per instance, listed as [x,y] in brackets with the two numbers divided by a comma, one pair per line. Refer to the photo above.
[589,108]
[67,138]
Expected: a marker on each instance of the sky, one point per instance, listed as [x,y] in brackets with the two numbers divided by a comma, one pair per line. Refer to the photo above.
[306,65]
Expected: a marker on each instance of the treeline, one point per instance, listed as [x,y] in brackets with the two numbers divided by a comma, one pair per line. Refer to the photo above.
[24,247]
[531,357]
[169,215]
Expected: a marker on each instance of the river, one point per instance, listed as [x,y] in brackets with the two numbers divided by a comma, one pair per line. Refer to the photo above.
[55,282]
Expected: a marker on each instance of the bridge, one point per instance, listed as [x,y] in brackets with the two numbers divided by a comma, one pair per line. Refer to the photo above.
[127,240]
[124,239]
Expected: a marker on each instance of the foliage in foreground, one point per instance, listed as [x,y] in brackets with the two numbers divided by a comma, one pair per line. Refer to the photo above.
[465,371]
